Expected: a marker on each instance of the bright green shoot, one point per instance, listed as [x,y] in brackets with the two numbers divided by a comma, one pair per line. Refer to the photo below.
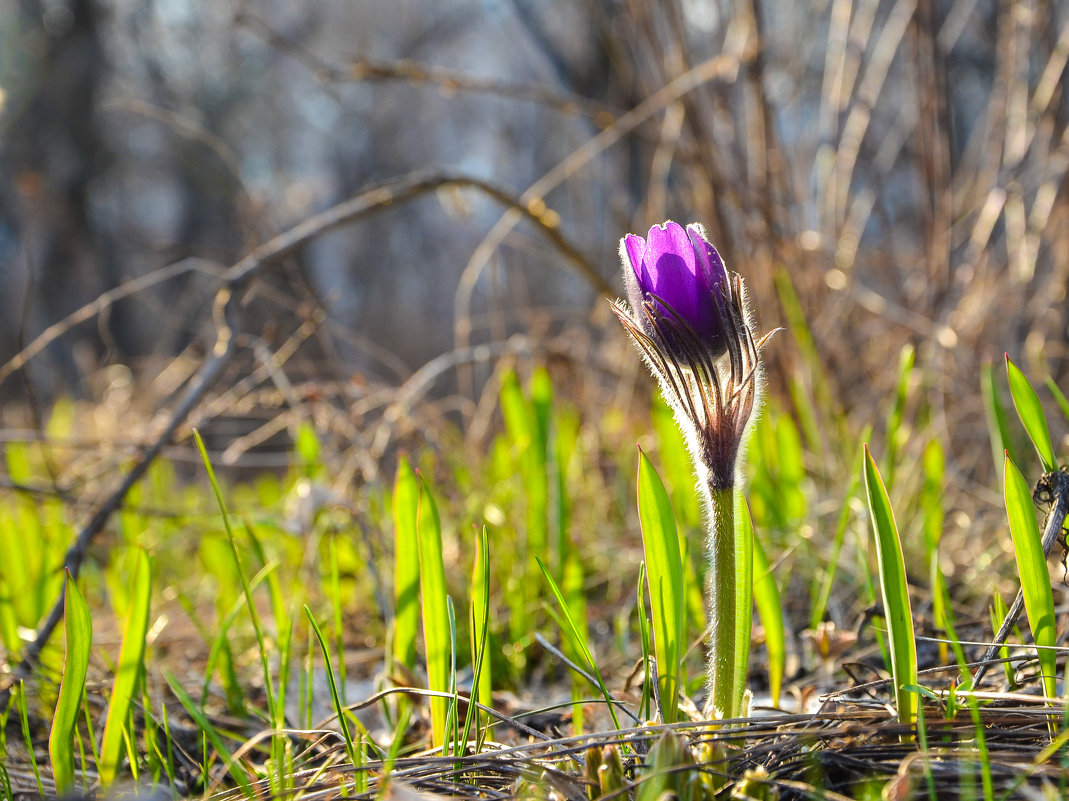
[436,636]
[1030,410]
[351,746]
[897,433]
[664,572]
[9,629]
[1032,566]
[578,639]
[822,592]
[131,658]
[997,424]
[234,767]
[1059,396]
[678,474]
[79,629]
[744,600]
[527,423]
[239,568]
[27,739]
[406,565]
[770,609]
[645,709]
[933,463]
[480,634]
[896,605]
[574,589]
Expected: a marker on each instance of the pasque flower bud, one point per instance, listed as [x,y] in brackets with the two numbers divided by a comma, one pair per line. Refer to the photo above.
[686,312]
[688,316]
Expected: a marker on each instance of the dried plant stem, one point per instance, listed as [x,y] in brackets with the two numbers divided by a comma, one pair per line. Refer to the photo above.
[724,697]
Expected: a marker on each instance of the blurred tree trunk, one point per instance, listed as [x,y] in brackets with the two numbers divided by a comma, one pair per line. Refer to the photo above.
[52,150]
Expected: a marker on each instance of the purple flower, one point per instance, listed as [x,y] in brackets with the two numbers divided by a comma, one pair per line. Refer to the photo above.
[690,319]
[677,277]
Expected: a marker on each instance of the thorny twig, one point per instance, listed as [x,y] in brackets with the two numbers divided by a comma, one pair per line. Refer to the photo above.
[227,329]
[1053,488]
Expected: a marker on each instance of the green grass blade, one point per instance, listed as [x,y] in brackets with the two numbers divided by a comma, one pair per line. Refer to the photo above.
[567,468]
[480,633]
[280,754]
[1032,566]
[897,610]
[94,752]
[770,609]
[339,622]
[308,450]
[579,641]
[645,707]
[335,696]
[78,623]
[131,659]
[823,396]
[283,616]
[208,730]
[254,615]
[9,627]
[997,425]
[744,594]
[519,417]
[452,722]
[675,463]
[1030,410]
[435,609]
[527,423]
[933,463]
[1059,396]
[822,592]
[27,739]
[677,471]
[897,434]
[664,572]
[574,588]
[406,565]
[541,390]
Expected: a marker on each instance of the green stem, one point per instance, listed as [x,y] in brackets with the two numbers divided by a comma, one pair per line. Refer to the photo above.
[722,584]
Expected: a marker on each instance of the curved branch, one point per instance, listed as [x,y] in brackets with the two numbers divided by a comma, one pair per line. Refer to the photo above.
[227,329]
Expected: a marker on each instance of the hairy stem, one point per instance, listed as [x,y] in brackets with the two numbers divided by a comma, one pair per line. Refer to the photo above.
[724,696]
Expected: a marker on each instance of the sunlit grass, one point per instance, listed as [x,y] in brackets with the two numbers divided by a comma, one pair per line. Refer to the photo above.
[897,610]
[267,601]
[667,585]
[79,638]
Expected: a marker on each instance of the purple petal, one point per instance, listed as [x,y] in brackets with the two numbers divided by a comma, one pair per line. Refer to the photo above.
[636,249]
[711,264]
[670,262]
[686,274]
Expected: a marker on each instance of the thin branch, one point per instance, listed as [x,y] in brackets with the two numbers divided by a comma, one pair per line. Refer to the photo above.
[227,329]
[401,190]
[91,310]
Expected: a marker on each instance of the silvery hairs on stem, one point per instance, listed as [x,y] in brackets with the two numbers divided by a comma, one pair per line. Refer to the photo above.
[685,312]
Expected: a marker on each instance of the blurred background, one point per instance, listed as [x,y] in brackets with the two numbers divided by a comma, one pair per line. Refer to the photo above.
[884,173]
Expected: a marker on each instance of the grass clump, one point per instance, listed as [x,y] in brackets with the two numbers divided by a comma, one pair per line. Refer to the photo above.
[299,689]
